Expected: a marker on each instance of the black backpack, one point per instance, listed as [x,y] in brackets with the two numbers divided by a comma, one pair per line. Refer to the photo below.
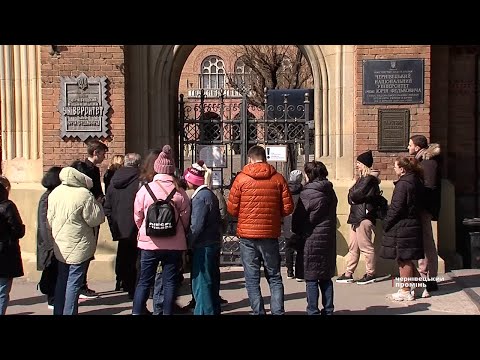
[160,220]
[381,205]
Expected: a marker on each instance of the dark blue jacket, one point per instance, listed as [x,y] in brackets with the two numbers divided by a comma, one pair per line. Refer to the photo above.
[11,230]
[205,220]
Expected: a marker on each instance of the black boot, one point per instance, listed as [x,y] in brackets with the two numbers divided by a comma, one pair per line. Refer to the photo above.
[118,285]
[431,286]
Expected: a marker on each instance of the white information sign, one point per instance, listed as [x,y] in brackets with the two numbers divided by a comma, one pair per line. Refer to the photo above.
[276,153]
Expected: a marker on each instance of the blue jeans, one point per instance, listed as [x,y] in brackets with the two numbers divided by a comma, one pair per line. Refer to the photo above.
[206,280]
[326,287]
[70,279]
[252,253]
[158,294]
[5,287]
[149,260]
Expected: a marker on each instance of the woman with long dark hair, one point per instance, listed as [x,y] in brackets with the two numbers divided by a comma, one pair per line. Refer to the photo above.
[402,240]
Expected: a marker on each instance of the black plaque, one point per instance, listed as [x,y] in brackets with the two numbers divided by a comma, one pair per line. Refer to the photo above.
[394,81]
[393,130]
[83,106]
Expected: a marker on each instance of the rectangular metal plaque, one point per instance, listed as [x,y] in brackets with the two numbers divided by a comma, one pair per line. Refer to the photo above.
[393,130]
[83,107]
[394,81]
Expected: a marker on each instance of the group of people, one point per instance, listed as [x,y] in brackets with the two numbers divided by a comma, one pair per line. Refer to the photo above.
[73,207]
[407,226]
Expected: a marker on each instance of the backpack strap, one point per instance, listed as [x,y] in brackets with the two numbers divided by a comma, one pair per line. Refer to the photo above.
[151,193]
[169,196]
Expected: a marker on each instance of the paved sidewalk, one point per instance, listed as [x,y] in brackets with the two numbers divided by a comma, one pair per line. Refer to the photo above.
[456,296]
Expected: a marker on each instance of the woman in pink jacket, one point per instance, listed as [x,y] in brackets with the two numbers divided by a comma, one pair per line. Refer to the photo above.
[167,249]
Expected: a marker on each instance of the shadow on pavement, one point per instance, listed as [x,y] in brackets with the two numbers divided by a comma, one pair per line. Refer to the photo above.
[233,285]
[386,310]
[29,300]
[22,313]
[121,298]
[106,311]
[231,275]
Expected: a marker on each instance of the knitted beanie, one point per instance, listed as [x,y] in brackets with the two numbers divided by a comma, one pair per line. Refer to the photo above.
[164,163]
[366,158]
[296,176]
[196,174]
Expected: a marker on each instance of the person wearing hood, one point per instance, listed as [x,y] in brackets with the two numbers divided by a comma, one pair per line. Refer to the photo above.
[293,249]
[73,214]
[315,220]
[12,230]
[46,261]
[362,219]
[428,157]
[259,197]
[118,209]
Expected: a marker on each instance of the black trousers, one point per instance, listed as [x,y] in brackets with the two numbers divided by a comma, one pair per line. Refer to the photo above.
[126,263]
[294,258]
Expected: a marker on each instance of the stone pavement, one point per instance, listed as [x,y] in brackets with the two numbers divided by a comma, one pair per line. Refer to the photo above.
[459,294]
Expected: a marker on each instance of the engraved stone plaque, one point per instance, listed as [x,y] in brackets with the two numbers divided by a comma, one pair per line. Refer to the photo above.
[393,130]
[83,107]
[394,81]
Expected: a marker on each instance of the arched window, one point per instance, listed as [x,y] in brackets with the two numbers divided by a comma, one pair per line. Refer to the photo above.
[213,73]
[242,72]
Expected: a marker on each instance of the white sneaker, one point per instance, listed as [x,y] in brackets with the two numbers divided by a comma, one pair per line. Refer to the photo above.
[402,295]
[50,306]
[425,294]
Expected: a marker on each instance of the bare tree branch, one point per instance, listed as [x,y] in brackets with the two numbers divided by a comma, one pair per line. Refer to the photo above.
[271,66]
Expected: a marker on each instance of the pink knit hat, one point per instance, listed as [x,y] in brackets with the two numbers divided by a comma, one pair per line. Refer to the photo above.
[196,174]
[164,163]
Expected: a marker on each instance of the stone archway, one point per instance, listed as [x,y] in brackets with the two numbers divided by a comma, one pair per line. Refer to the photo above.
[153,74]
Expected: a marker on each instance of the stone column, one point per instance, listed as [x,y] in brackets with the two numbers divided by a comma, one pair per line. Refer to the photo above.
[20,112]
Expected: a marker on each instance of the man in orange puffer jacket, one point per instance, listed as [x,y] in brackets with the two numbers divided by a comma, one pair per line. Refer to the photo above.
[259,197]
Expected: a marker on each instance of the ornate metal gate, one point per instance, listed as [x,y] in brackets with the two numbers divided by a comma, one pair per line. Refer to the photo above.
[220,132]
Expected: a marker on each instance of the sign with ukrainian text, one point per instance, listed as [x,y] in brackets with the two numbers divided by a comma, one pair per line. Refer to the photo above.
[83,107]
[393,81]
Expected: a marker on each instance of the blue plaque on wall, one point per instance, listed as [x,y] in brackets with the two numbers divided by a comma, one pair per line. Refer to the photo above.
[393,81]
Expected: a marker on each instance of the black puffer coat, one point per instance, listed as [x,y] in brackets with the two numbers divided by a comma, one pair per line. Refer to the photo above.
[360,197]
[119,201]
[402,238]
[11,230]
[44,234]
[314,219]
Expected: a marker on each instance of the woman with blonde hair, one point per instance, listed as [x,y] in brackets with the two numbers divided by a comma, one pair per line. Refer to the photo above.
[362,218]
[116,162]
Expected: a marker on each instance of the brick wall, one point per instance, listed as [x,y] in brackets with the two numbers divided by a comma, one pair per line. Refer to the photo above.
[95,60]
[366,116]
[462,119]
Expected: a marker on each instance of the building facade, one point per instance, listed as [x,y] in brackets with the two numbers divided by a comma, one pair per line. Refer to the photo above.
[142,85]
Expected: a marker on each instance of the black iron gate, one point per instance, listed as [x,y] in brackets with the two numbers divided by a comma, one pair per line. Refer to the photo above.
[220,132]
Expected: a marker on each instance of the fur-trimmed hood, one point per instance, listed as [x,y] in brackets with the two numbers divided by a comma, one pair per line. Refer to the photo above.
[432,151]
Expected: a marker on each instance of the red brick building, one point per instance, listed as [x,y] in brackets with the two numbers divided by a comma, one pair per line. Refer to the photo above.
[143,84]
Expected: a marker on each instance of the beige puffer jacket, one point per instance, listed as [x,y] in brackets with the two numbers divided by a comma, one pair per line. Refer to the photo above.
[73,213]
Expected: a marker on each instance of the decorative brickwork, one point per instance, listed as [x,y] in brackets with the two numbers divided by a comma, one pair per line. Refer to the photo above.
[94,60]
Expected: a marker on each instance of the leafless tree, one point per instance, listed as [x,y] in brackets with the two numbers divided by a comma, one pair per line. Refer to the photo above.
[271,67]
